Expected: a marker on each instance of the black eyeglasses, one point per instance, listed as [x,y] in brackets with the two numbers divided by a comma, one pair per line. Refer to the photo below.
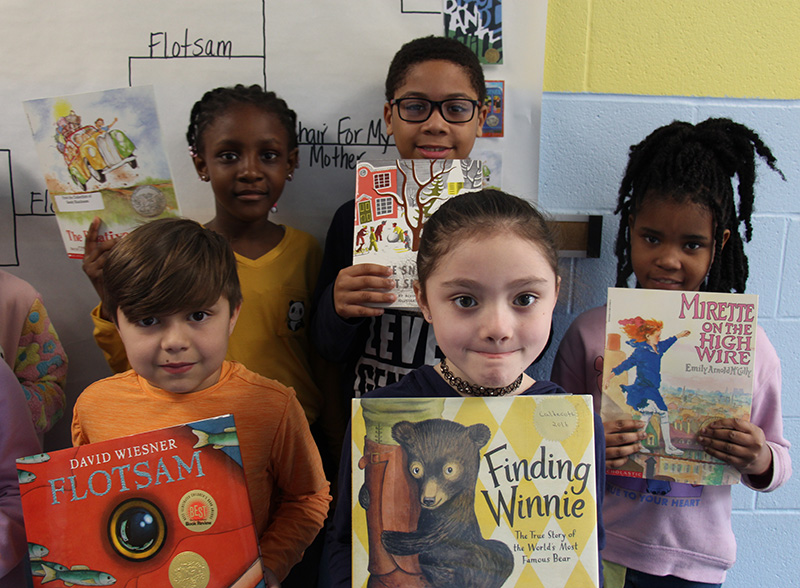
[453,110]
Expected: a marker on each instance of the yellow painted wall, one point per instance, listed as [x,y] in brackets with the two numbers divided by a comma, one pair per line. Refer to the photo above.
[721,48]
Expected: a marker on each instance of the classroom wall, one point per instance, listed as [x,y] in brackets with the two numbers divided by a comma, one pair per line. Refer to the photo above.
[328,60]
[614,71]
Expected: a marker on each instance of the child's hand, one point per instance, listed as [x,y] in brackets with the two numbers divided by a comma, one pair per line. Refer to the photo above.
[739,443]
[356,286]
[95,255]
[622,440]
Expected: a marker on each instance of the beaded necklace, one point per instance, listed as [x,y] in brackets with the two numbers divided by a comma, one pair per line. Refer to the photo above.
[472,390]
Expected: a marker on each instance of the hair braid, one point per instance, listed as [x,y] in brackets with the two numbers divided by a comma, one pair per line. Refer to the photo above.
[697,163]
[219,100]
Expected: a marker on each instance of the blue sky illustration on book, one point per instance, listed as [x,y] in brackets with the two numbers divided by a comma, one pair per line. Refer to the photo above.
[133,108]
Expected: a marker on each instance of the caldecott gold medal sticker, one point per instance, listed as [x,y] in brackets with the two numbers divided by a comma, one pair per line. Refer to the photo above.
[189,570]
[197,510]
[555,418]
[492,55]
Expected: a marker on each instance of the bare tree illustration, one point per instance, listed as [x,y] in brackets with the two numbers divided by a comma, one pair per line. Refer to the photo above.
[422,185]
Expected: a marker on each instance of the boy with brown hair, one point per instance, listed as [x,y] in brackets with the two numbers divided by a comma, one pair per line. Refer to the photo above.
[172,289]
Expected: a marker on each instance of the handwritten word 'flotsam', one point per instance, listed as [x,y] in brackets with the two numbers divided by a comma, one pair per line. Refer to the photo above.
[160,47]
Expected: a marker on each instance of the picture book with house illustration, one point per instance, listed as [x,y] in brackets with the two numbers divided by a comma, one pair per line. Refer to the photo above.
[102,155]
[474,492]
[678,361]
[150,509]
[393,201]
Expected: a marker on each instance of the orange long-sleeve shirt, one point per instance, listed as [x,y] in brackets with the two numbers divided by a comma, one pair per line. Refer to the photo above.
[288,491]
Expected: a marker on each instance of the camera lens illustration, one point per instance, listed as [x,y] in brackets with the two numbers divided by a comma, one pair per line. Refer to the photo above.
[137,529]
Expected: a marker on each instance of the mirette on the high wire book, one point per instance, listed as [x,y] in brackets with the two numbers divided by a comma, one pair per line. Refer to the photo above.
[474,492]
[678,361]
[165,508]
[393,201]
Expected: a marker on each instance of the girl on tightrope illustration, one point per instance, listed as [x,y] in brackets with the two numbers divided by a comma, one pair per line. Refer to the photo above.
[643,395]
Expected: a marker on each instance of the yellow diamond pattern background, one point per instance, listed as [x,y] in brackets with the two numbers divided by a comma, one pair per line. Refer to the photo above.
[540,545]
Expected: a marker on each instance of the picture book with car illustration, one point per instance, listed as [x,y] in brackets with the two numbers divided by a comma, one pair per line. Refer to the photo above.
[474,492]
[678,361]
[393,201]
[102,156]
[151,509]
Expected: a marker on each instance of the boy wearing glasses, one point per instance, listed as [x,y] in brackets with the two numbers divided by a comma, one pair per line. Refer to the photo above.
[434,109]
[435,94]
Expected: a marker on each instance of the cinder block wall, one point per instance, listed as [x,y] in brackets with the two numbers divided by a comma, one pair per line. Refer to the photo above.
[614,71]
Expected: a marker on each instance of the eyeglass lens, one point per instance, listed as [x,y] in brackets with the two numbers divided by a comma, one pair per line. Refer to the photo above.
[454,110]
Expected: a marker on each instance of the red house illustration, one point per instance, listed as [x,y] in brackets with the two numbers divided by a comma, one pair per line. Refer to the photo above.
[373,194]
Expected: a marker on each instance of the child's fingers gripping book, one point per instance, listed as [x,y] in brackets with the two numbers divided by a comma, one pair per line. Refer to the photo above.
[393,201]
[146,510]
[474,492]
[678,361]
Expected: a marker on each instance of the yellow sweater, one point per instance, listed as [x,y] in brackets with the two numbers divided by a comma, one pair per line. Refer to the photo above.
[270,337]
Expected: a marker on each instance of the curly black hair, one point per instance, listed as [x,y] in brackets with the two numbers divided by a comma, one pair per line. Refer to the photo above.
[697,163]
[216,101]
[430,49]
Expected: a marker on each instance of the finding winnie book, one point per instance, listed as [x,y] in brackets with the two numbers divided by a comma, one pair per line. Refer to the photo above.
[678,361]
[393,201]
[101,154]
[474,492]
[163,508]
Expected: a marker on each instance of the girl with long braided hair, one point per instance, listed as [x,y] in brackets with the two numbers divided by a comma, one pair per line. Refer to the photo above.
[683,222]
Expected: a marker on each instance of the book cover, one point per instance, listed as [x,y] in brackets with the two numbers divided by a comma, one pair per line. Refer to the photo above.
[102,155]
[495,100]
[474,492]
[151,509]
[679,361]
[478,24]
[393,201]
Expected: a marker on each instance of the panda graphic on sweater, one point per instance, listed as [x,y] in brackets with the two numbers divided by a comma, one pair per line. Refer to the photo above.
[294,319]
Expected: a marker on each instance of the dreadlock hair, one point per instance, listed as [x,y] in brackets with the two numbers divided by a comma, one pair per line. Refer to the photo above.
[697,163]
[431,49]
[217,101]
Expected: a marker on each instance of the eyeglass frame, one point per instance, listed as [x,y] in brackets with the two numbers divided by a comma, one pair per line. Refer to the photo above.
[476,105]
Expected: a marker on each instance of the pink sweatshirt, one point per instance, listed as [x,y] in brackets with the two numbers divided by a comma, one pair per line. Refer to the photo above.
[685,532]
[17,439]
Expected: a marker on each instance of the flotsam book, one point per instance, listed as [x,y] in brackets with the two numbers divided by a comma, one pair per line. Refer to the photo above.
[163,508]
[678,361]
[102,155]
[474,492]
[393,201]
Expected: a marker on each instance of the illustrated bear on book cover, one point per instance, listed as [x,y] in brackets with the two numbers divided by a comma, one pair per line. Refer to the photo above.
[678,361]
[166,508]
[474,492]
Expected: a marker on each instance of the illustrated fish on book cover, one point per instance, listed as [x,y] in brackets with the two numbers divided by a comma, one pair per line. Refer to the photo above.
[102,155]
[678,361]
[393,201]
[146,510]
[474,492]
